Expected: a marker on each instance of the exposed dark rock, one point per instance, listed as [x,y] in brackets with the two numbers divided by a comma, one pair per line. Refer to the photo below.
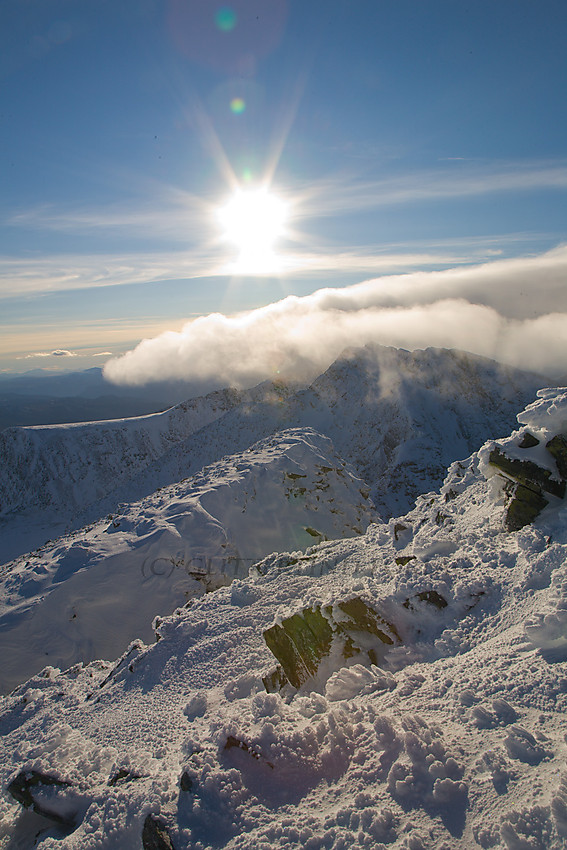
[363,618]
[275,680]
[300,642]
[528,441]
[232,742]
[398,527]
[527,473]
[557,447]
[429,596]
[155,835]
[433,598]
[121,777]
[29,786]
[402,560]
[186,783]
[525,506]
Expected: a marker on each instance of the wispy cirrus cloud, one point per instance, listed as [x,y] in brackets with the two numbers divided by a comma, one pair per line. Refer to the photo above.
[167,212]
[28,275]
[464,179]
[22,276]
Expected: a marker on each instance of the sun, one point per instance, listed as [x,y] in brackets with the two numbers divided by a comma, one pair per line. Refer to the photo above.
[253,220]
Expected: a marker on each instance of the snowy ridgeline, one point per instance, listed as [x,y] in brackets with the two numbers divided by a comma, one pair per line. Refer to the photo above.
[405,688]
[399,417]
[92,592]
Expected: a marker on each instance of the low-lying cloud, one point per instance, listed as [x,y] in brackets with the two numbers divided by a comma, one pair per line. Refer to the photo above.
[512,310]
[58,352]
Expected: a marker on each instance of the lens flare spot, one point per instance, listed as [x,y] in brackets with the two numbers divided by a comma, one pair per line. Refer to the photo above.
[225,19]
[237,105]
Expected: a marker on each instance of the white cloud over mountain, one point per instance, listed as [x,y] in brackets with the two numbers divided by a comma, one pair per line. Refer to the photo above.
[514,310]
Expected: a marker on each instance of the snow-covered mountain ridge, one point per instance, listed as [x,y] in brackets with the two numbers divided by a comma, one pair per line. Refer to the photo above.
[399,417]
[91,593]
[453,737]
[46,465]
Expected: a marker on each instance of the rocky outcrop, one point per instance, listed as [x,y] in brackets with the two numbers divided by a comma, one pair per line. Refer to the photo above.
[557,447]
[155,835]
[527,480]
[45,795]
[528,473]
[301,642]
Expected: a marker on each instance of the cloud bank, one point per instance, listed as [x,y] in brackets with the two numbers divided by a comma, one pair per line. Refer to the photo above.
[512,310]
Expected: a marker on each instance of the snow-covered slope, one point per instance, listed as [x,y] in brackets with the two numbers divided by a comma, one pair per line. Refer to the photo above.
[399,417]
[431,657]
[92,592]
[51,475]
[54,465]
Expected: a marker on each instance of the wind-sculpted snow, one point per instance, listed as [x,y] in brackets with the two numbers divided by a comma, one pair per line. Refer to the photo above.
[454,739]
[91,593]
[399,417]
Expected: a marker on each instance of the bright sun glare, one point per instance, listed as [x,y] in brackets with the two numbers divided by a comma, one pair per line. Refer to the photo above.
[253,220]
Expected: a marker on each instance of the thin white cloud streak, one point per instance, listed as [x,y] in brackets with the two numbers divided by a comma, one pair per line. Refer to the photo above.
[21,276]
[86,336]
[176,215]
[345,194]
[473,309]
[59,352]
[62,352]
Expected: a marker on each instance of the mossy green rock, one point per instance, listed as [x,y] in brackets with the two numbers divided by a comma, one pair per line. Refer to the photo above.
[363,618]
[525,506]
[275,681]
[300,642]
[557,447]
[431,597]
[528,441]
[527,473]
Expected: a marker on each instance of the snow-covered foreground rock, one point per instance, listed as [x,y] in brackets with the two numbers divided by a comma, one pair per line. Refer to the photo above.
[432,713]
[399,417]
[91,593]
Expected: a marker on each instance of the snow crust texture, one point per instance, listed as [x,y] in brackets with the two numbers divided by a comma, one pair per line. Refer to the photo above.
[453,737]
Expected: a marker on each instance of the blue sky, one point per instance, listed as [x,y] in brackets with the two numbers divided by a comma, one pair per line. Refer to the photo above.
[406,136]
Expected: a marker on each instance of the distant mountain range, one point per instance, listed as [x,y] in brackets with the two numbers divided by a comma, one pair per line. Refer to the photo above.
[399,417]
[39,397]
